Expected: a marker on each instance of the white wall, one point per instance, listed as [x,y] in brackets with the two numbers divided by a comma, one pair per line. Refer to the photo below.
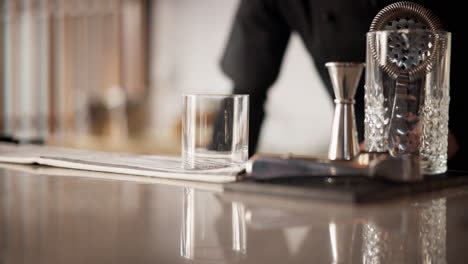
[188,42]
[299,111]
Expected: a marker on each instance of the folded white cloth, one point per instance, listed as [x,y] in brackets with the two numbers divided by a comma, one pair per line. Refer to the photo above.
[123,163]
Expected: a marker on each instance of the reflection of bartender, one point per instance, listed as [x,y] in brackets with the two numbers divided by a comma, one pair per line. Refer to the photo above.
[332,30]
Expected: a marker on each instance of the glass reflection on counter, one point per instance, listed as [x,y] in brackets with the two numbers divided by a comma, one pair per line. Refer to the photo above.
[200,240]
[239,231]
[421,230]
[433,231]
[375,244]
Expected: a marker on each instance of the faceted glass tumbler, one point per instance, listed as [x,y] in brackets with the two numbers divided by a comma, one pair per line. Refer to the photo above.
[423,111]
[215,131]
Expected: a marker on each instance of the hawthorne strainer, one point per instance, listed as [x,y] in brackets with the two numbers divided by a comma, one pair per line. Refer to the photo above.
[411,46]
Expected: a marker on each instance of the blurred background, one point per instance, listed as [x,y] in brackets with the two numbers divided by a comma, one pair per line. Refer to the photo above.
[109,75]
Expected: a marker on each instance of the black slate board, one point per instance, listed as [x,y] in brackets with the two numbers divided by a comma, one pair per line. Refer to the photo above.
[347,189]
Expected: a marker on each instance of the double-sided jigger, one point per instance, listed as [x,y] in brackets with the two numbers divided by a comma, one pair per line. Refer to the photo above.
[345,78]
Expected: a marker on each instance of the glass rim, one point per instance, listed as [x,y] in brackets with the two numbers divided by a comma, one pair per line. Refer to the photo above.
[195,95]
[405,30]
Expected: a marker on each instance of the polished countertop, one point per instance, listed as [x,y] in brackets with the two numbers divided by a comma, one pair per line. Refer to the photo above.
[106,218]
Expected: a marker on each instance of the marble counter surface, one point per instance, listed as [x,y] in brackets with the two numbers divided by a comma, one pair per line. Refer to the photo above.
[57,219]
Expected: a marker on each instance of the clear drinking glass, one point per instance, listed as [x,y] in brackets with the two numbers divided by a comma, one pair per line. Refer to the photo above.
[407,95]
[215,131]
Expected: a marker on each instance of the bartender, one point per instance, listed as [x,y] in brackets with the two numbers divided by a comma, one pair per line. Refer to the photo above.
[332,30]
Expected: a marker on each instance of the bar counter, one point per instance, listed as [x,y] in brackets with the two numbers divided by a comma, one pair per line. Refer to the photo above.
[109,218]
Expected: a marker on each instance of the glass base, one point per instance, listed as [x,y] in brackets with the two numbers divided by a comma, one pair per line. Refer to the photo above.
[206,159]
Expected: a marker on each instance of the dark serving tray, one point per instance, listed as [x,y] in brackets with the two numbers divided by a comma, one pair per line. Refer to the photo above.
[347,189]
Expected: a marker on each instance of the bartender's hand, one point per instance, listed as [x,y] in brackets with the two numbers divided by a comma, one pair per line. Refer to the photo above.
[453,146]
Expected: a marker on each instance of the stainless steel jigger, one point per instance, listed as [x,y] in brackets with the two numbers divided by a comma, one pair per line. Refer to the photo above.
[345,77]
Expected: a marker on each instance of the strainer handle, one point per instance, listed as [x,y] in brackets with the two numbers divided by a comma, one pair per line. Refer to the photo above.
[403,135]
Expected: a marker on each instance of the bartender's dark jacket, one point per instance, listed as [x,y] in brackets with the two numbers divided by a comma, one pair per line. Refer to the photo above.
[332,30]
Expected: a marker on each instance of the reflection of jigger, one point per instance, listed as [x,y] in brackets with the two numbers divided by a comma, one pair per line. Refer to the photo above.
[199,238]
[341,242]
